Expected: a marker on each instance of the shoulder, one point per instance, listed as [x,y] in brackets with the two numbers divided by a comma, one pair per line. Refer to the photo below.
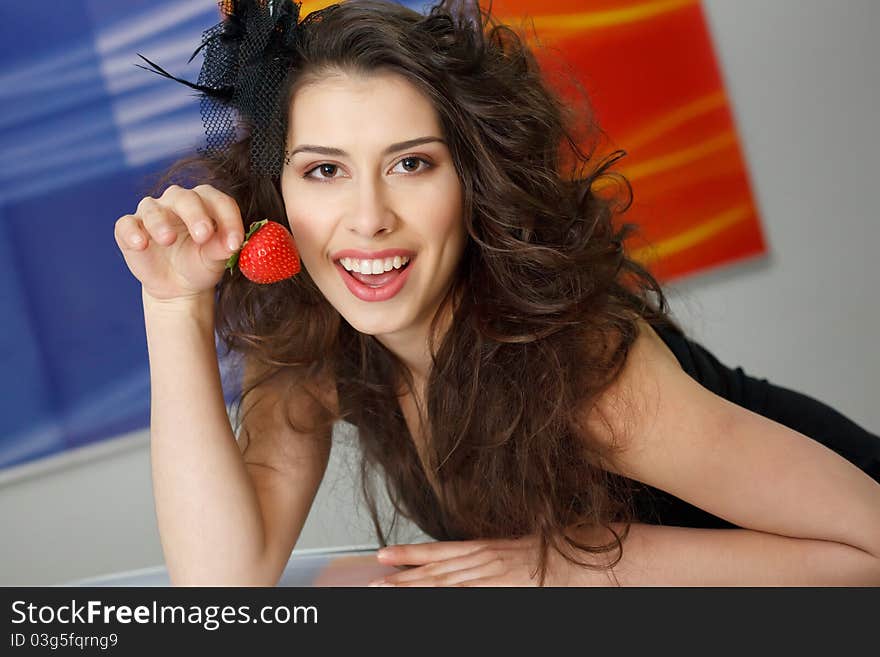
[648,364]
[649,348]
[653,404]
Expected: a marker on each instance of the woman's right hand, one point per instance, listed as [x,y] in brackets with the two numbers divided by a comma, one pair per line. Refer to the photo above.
[177,245]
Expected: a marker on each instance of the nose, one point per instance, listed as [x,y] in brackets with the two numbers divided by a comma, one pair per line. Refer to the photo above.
[370,214]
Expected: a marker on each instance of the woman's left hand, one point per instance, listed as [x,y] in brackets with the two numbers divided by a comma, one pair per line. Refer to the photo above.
[496,562]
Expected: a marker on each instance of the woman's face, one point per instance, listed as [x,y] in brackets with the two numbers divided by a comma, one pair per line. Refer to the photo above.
[360,200]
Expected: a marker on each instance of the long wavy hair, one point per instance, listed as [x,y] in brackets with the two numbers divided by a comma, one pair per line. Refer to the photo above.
[544,302]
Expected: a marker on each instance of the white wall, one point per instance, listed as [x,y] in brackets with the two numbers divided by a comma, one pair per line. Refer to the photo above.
[803,78]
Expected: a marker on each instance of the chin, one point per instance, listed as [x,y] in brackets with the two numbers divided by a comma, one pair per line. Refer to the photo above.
[377,325]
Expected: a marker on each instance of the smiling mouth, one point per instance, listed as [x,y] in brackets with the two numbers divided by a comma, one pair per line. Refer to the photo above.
[377,280]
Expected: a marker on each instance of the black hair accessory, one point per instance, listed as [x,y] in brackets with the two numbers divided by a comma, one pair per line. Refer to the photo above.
[247,57]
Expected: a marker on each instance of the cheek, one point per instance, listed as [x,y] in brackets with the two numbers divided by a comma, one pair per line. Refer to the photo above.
[308,243]
[306,226]
[451,230]
[448,223]
[311,223]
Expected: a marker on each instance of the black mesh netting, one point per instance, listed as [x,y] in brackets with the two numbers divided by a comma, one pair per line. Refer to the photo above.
[247,57]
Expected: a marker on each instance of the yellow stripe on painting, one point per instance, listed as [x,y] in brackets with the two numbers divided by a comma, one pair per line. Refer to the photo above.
[692,236]
[674,119]
[680,158]
[308,6]
[598,19]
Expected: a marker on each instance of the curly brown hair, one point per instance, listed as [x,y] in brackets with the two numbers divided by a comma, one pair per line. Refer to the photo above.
[545,301]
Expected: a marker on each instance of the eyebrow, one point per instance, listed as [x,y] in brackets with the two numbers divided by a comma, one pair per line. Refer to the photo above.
[393,148]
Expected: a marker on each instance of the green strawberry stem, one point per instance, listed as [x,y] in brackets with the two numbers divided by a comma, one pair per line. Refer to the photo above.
[233,259]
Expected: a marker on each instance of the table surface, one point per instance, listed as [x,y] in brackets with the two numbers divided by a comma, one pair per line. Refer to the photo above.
[342,566]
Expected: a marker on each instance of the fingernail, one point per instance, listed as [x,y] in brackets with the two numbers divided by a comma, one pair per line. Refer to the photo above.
[136,240]
[233,241]
[200,230]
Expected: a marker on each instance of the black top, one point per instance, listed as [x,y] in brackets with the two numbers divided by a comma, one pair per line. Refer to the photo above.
[788,407]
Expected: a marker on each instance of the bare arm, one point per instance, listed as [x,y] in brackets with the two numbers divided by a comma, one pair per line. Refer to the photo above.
[221,521]
[811,516]
[208,514]
[656,555]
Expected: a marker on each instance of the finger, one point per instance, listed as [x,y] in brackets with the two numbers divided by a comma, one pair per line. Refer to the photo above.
[483,582]
[130,233]
[489,569]
[160,222]
[438,568]
[421,553]
[230,226]
[193,212]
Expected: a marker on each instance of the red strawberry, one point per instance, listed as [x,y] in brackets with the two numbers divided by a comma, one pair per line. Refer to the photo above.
[268,254]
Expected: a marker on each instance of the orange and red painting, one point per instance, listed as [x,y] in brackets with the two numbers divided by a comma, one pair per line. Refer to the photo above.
[650,70]
[654,84]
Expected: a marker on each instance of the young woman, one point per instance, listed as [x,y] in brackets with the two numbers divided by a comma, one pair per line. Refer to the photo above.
[514,377]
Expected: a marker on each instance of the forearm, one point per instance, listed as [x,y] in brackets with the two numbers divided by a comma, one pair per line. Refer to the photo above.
[655,555]
[207,510]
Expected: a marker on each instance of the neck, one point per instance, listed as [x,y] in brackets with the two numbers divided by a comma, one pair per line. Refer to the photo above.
[412,345]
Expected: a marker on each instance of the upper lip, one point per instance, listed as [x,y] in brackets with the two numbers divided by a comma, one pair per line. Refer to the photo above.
[372,255]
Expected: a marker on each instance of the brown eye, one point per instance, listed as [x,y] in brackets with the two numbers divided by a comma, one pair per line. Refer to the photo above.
[411,164]
[328,169]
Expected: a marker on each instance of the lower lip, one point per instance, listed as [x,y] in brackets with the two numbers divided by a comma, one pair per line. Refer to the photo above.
[367,293]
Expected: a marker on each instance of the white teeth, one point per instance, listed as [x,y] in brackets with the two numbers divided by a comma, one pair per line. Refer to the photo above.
[374,266]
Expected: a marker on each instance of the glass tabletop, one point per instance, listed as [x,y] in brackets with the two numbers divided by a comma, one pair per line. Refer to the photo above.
[339,566]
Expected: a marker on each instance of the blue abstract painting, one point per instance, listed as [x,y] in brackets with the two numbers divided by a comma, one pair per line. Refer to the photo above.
[84,134]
